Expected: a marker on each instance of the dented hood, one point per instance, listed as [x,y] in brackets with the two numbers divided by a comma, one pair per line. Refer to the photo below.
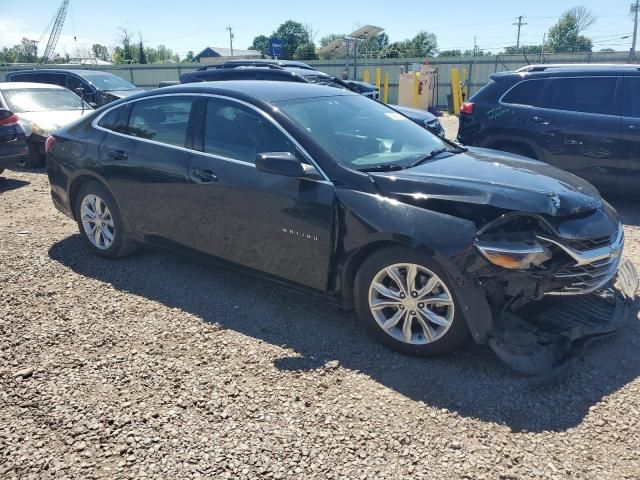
[488,177]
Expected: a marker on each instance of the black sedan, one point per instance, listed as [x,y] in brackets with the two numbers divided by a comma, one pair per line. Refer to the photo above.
[327,191]
[13,142]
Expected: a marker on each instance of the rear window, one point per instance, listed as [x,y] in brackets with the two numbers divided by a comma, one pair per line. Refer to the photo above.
[587,95]
[525,93]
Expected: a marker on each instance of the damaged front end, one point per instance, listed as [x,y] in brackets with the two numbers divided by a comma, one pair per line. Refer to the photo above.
[553,285]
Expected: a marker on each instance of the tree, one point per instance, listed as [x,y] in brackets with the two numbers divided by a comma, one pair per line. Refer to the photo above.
[565,36]
[306,51]
[190,56]
[374,46]
[450,53]
[527,49]
[607,50]
[327,39]
[261,44]
[292,34]
[101,52]
[126,50]
[142,53]
[424,44]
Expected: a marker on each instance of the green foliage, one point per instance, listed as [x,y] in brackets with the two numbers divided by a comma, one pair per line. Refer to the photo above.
[306,51]
[142,54]
[25,52]
[424,44]
[261,44]
[564,36]
[101,52]
[527,49]
[327,39]
[189,57]
[292,34]
[450,53]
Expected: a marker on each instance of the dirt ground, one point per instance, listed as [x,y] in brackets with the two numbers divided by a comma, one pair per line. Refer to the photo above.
[156,366]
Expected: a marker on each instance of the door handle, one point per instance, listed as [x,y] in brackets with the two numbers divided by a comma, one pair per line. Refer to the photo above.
[117,155]
[203,175]
[634,128]
[541,121]
[569,141]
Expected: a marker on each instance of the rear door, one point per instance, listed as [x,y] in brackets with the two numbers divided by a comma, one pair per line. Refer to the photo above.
[629,177]
[275,224]
[145,158]
[578,127]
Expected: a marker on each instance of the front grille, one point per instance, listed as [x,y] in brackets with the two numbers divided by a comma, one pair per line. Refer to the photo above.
[589,243]
[595,262]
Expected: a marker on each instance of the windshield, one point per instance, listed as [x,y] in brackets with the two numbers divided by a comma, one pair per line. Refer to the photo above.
[361,133]
[108,82]
[42,100]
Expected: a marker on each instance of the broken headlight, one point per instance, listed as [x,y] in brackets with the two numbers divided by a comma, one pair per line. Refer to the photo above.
[515,253]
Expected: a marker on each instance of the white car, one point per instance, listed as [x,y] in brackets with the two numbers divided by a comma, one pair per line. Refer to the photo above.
[41,109]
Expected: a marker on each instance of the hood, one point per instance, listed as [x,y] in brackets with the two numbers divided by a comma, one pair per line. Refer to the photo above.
[44,123]
[124,93]
[502,180]
[415,114]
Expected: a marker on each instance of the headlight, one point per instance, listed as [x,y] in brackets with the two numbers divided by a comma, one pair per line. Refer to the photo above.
[514,256]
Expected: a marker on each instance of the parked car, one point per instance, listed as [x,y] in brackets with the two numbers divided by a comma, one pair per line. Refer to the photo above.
[40,109]
[259,62]
[292,74]
[364,88]
[98,88]
[333,193]
[13,143]
[582,118]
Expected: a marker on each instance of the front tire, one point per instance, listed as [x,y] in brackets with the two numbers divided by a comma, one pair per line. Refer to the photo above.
[100,222]
[407,302]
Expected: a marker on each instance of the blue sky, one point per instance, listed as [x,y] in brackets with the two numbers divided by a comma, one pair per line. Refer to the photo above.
[191,25]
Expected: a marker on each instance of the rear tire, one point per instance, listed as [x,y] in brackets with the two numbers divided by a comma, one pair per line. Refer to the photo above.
[35,158]
[100,222]
[407,302]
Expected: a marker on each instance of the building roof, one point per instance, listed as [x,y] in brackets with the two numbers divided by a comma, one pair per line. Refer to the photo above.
[225,52]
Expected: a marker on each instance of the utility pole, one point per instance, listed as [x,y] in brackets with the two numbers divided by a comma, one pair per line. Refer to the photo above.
[520,25]
[230,38]
[634,9]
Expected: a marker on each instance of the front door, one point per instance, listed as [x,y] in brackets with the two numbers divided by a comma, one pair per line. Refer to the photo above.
[629,177]
[147,165]
[578,127]
[275,224]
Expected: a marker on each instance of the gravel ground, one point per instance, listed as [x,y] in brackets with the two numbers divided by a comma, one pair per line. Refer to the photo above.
[156,366]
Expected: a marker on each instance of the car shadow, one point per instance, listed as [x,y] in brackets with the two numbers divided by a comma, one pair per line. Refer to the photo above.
[8,184]
[473,383]
[627,207]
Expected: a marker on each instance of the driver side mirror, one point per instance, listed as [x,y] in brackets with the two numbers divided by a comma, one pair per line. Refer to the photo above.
[279,163]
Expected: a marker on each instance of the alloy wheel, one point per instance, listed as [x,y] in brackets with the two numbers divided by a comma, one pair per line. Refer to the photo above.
[411,303]
[97,222]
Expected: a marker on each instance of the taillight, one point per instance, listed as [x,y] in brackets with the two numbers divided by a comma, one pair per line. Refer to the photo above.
[50,144]
[9,121]
[467,108]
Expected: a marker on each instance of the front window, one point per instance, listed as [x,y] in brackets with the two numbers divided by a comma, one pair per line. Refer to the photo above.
[363,134]
[108,83]
[41,100]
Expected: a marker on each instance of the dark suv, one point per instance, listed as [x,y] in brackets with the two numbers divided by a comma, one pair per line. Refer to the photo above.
[98,88]
[582,118]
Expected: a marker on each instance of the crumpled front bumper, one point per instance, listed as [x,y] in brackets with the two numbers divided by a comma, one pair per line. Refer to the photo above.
[544,339]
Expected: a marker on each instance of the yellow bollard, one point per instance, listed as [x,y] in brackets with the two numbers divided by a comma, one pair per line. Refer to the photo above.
[416,89]
[456,91]
[385,96]
[365,76]
[378,75]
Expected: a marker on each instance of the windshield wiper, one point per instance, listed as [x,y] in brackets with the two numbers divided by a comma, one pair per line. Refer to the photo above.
[385,167]
[432,154]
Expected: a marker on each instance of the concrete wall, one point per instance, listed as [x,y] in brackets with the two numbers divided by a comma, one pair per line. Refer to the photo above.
[480,68]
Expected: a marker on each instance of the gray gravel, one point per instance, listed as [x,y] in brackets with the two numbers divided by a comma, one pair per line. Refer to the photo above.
[156,366]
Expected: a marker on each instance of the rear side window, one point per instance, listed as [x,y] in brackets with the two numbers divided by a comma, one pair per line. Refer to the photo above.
[163,119]
[525,93]
[22,77]
[587,95]
[114,120]
[237,132]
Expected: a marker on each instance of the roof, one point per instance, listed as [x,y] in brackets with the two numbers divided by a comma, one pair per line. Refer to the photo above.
[225,52]
[268,61]
[76,71]
[257,89]
[577,66]
[31,85]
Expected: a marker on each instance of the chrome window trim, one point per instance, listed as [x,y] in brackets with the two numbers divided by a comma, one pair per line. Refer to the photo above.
[613,115]
[264,114]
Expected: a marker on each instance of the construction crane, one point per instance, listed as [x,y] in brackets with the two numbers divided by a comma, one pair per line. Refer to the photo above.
[57,21]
